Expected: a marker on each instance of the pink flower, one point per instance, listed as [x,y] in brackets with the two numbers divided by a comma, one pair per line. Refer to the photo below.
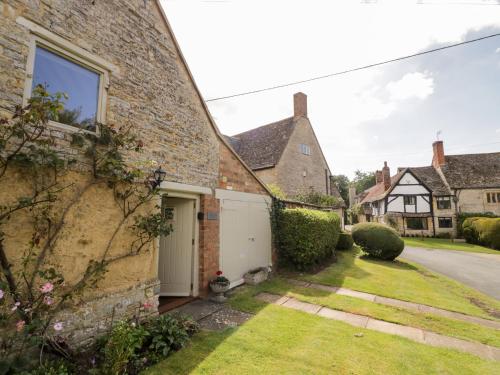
[48,300]
[16,305]
[20,325]
[47,288]
[147,305]
[1,293]
[58,326]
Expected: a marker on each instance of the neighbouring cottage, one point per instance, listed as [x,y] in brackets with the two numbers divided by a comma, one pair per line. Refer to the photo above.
[119,62]
[287,153]
[427,200]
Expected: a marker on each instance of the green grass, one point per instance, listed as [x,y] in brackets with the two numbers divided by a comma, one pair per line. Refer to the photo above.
[244,301]
[284,341]
[444,244]
[405,281]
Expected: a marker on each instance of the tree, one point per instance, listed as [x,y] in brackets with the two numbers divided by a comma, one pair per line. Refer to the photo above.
[363,180]
[342,183]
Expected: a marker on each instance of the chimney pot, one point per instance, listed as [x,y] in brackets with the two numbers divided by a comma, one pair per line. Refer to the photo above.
[438,159]
[386,176]
[300,104]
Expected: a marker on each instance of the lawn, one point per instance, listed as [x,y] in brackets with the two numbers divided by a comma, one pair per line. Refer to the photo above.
[284,341]
[445,244]
[406,281]
[243,300]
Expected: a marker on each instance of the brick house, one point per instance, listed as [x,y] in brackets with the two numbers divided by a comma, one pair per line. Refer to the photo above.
[287,153]
[427,200]
[120,63]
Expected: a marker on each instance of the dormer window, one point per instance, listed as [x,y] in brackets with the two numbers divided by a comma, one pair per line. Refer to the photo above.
[305,149]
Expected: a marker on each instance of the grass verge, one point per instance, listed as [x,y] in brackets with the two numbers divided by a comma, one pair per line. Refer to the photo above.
[445,244]
[283,341]
[405,281]
[243,300]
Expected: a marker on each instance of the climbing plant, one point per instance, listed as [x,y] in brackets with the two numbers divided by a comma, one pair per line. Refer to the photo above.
[33,288]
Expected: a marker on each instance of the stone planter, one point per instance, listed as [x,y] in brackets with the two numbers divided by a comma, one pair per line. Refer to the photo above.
[256,276]
[219,288]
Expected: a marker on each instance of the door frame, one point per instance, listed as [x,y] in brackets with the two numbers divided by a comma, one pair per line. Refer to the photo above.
[195,262]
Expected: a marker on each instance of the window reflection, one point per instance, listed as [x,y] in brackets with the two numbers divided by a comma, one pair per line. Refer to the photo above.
[58,74]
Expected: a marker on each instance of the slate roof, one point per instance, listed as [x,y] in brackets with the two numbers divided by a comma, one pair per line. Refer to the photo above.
[472,170]
[262,147]
[378,191]
[431,178]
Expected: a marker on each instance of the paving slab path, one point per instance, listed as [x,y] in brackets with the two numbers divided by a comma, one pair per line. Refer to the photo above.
[480,271]
[398,303]
[415,334]
[211,315]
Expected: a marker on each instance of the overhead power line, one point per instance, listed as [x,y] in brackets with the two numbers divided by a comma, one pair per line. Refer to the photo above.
[353,69]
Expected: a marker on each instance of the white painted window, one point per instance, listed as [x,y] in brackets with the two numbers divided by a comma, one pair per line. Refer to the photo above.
[410,200]
[443,203]
[63,67]
[305,149]
[445,222]
[493,197]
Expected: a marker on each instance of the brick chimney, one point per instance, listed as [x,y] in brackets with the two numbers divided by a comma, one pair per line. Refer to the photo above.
[378,177]
[300,104]
[438,154]
[386,176]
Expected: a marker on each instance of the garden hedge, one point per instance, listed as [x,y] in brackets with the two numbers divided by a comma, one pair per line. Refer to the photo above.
[307,237]
[465,215]
[378,240]
[345,241]
[483,231]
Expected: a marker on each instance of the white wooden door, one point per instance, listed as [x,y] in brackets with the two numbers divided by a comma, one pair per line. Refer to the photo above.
[245,237]
[176,250]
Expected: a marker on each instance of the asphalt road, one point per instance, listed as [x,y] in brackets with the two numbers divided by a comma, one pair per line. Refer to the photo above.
[480,271]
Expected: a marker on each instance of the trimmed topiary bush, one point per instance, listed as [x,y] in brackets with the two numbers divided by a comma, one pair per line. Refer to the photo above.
[378,240]
[345,241]
[307,237]
[483,231]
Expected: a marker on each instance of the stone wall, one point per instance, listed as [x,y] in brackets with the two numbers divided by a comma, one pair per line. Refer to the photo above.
[474,200]
[151,91]
[234,176]
[293,164]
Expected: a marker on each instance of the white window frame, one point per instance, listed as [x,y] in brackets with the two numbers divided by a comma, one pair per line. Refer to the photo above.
[305,149]
[71,52]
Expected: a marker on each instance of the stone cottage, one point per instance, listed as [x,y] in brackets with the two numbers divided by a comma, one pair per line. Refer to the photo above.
[119,62]
[287,153]
[427,200]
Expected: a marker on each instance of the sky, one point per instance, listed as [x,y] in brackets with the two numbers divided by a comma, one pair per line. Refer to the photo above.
[390,113]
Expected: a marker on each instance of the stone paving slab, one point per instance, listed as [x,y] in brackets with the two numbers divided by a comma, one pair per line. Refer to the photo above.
[198,309]
[411,333]
[224,318]
[415,334]
[353,319]
[302,306]
[400,304]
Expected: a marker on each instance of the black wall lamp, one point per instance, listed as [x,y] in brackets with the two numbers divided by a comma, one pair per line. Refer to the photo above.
[158,177]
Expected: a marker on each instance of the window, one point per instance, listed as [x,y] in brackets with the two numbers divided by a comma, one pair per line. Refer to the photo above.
[416,223]
[493,197]
[305,149]
[443,203]
[445,222]
[410,200]
[60,74]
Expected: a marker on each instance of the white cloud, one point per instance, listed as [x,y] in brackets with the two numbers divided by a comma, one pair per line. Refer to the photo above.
[497,50]
[412,85]
[497,131]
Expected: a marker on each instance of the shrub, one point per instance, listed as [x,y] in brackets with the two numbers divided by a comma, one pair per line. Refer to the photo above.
[483,231]
[345,241]
[276,191]
[378,240]
[465,215]
[317,198]
[307,237]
